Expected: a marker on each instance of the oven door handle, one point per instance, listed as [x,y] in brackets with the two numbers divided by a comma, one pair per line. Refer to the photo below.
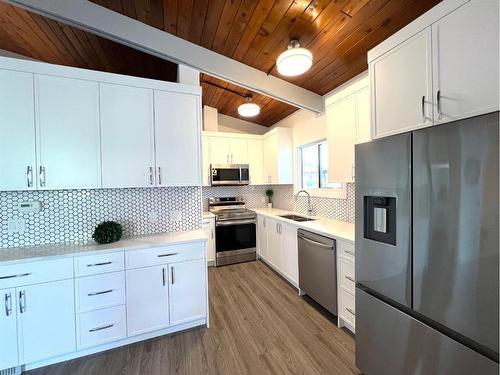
[234,222]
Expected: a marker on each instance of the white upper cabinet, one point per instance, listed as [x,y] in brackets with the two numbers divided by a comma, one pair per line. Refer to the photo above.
[177,139]
[278,145]
[363,128]
[68,139]
[127,136]
[17,131]
[401,82]
[465,61]
[256,161]
[205,145]
[238,148]
[228,150]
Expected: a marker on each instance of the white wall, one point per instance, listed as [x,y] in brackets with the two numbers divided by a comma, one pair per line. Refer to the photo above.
[235,125]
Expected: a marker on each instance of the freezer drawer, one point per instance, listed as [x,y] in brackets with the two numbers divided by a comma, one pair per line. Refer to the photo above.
[389,342]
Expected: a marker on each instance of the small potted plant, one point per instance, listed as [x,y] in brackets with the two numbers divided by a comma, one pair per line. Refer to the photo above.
[269,193]
[107,232]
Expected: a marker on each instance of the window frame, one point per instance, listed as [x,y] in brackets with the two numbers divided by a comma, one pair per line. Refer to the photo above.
[321,192]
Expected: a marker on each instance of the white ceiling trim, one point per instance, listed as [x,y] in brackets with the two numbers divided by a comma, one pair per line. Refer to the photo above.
[109,24]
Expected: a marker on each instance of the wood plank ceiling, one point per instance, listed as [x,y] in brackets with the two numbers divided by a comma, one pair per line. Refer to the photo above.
[226,97]
[338,32]
[46,40]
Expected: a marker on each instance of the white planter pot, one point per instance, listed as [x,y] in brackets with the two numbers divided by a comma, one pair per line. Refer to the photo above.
[269,205]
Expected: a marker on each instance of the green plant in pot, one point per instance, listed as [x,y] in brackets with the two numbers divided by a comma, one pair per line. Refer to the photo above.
[107,232]
[269,193]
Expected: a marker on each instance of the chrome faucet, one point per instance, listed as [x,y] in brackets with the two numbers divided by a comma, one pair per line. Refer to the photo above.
[309,205]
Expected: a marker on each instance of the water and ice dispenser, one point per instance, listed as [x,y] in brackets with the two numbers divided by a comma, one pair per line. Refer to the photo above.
[380,219]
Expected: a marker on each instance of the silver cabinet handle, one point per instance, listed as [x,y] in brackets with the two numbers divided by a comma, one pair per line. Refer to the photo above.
[14,276]
[352,312]
[29,176]
[100,293]
[353,172]
[8,304]
[264,222]
[101,328]
[316,243]
[277,228]
[166,255]
[22,301]
[349,278]
[163,274]
[151,175]
[172,274]
[159,175]
[99,264]
[438,97]
[43,176]
[212,234]
[423,108]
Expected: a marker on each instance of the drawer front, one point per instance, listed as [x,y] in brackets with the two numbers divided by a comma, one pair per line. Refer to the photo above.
[100,291]
[100,263]
[346,249]
[347,276]
[164,255]
[101,326]
[347,307]
[35,272]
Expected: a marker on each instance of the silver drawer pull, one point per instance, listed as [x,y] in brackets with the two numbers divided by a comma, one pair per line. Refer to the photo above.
[100,293]
[350,278]
[13,276]
[349,252]
[166,255]
[101,328]
[99,264]
[352,312]
[8,304]
[22,301]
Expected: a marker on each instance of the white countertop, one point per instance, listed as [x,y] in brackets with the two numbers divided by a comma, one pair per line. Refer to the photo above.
[208,215]
[42,252]
[327,227]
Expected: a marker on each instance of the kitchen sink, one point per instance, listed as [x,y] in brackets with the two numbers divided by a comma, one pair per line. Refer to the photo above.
[296,218]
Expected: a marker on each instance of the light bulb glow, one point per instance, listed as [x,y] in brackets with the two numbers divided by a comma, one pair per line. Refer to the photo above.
[248,110]
[294,61]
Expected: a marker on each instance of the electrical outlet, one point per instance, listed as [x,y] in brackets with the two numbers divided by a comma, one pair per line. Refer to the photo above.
[153,217]
[175,216]
[17,225]
[263,199]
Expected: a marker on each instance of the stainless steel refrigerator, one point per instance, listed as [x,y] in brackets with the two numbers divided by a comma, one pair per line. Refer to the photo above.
[427,256]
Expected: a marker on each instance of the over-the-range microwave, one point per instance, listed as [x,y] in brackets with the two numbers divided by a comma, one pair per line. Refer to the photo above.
[229,174]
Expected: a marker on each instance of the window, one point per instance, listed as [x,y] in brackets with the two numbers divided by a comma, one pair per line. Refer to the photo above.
[314,167]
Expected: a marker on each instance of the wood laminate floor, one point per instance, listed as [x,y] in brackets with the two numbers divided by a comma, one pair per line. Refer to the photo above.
[258,325]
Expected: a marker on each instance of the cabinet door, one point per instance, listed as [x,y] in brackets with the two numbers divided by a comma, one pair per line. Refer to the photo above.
[341,133]
[363,129]
[402,87]
[209,229]
[256,161]
[262,240]
[465,61]
[238,151]
[177,139]
[205,144]
[67,113]
[127,138]
[147,299]
[17,131]
[290,252]
[46,320]
[187,291]
[271,159]
[274,243]
[8,329]
[219,150]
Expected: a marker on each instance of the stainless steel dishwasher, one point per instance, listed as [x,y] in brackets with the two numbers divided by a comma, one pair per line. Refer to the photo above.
[318,268]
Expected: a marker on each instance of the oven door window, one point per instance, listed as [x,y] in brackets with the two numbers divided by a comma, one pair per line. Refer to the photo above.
[235,237]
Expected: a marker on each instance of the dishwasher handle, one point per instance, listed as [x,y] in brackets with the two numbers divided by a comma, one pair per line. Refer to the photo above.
[325,246]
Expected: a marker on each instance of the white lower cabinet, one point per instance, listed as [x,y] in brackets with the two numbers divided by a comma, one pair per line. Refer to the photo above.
[101,326]
[46,320]
[187,293]
[209,229]
[346,283]
[8,329]
[147,299]
[278,247]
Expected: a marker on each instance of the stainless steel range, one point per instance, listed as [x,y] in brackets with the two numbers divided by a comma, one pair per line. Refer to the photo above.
[235,228]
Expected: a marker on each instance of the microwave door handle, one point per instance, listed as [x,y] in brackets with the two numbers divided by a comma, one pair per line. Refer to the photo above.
[239,168]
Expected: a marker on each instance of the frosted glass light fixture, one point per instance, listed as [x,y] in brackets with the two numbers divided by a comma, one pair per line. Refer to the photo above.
[248,109]
[295,60]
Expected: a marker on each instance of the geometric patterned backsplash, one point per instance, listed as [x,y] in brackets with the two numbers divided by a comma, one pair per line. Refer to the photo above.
[71,215]
[334,208]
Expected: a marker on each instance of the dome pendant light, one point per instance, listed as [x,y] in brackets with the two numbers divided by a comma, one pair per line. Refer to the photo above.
[295,60]
[248,109]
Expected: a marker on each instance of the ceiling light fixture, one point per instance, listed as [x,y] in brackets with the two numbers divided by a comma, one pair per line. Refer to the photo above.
[248,109]
[295,60]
